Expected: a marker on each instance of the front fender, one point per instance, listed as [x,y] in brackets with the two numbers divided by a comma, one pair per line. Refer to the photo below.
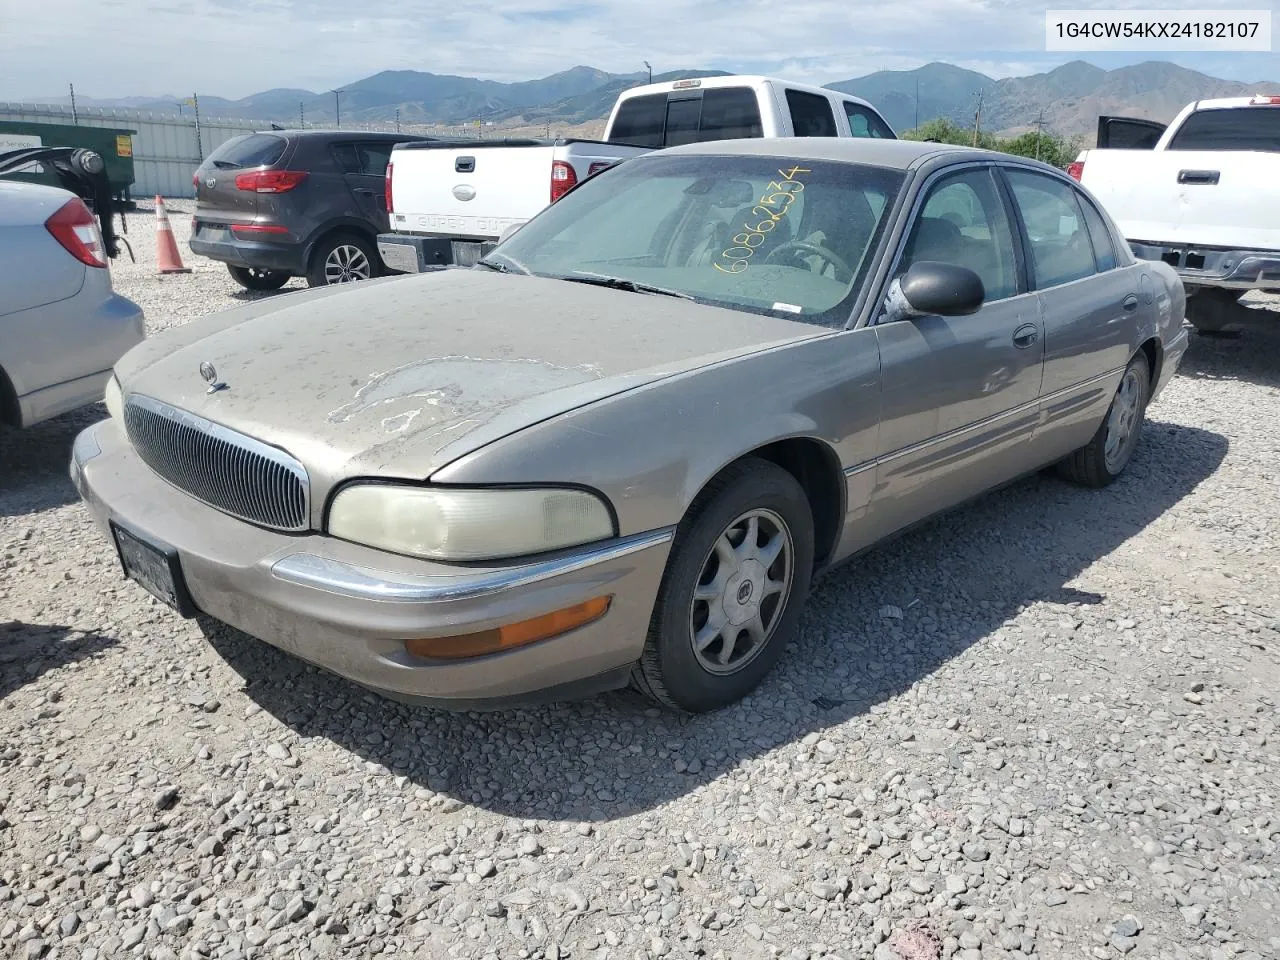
[650,450]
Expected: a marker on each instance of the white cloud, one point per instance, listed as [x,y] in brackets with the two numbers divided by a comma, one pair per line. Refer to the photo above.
[231,48]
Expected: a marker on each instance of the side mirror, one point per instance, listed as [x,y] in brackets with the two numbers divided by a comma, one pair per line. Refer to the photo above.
[509,231]
[930,288]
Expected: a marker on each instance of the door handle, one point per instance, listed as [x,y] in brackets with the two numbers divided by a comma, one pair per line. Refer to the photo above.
[1209,177]
[1026,335]
[1130,302]
[364,191]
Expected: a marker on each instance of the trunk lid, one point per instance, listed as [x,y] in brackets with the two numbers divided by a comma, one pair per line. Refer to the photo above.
[218,199]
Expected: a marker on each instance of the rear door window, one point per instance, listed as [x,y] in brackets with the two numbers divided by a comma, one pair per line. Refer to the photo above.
[811,114]
[374,157]
[1104,250]
[254,150]
[1061,250]
[730,113]
[866,123]
[1243,128]
[344,154]
[640,121]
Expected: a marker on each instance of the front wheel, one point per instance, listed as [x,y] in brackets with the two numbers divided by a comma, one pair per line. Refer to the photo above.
[345,258]
[253,278]
[733,591]
[1103,459]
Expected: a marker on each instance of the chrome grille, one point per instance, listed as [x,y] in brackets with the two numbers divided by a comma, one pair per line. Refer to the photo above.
[225,469]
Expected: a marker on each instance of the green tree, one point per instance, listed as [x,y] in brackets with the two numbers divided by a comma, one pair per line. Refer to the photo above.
[1052,149]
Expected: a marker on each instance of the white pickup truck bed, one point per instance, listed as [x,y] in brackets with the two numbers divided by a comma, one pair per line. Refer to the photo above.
[1205,198]
[465,194]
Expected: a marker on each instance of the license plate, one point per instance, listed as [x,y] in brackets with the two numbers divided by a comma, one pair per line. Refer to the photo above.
[156,568]
[212,234]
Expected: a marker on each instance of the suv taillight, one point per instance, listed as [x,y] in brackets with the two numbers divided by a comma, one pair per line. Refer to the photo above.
[195,178]
[1075,170]
[74,226]
[270,181]
[563,179]
[387,190]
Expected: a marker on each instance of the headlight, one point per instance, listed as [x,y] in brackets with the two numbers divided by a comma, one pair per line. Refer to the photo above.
[441,523]
[114,400]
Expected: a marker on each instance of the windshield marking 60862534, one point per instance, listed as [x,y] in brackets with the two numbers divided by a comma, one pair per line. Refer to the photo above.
[739,261]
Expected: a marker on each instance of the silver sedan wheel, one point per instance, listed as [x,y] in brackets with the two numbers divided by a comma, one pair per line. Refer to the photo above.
[742,592]
[1122,422]
[346,263]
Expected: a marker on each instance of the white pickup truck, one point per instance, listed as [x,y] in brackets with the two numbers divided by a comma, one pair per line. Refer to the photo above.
[450,201]
[1202,194]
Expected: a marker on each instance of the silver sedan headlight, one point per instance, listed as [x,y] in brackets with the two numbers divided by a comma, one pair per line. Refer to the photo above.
[114,400]
[443,523]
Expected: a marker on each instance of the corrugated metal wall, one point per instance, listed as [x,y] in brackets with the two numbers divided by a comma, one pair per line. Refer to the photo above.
[165,149]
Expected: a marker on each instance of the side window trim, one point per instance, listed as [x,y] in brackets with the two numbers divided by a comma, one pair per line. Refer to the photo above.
[1022,252]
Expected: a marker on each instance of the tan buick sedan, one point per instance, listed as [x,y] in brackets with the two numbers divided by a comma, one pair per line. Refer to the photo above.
[618,449]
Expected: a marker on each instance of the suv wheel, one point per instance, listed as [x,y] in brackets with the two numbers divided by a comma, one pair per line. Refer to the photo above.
[252,278]
[344,258]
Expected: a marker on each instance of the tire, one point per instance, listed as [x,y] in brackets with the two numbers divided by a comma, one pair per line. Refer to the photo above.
[342,258]
[1209,311]
[734,659]
[1090,466]
[251,278]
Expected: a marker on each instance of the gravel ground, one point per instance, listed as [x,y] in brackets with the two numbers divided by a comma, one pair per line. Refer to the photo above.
[1043,726]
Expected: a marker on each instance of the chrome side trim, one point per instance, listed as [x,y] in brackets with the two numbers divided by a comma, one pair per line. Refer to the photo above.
[1022,409]
[364,583]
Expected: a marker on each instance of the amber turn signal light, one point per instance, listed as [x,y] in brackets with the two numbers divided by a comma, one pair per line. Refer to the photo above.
[510,636]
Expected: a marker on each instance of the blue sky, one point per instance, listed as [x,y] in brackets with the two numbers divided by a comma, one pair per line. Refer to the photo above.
[231,48]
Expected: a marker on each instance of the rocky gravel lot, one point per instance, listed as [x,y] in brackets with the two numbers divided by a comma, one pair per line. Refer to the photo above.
[1044,726]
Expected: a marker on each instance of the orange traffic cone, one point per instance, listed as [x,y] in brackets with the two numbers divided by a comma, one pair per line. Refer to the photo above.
[166,247]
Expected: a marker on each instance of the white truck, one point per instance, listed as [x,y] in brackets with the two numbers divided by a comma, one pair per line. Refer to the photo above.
[1202,194]
[451,201]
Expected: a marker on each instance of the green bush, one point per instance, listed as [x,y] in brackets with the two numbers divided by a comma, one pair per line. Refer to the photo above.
[1055,150]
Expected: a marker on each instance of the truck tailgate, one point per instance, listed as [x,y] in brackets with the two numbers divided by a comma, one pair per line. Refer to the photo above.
[1207,198]
[473,190]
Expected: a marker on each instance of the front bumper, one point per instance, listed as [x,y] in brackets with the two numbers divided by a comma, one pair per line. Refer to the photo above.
[1215,266]
[348,608]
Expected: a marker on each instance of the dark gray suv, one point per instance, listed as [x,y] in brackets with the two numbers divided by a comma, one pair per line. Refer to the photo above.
[293,203]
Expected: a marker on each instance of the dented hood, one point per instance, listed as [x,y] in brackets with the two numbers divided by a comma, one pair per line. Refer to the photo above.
[397,377]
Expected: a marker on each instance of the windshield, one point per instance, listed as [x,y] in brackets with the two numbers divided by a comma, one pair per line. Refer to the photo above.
[762,234]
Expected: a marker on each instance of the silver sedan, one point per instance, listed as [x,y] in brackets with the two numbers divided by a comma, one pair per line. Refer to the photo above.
[619,448]
[61,326]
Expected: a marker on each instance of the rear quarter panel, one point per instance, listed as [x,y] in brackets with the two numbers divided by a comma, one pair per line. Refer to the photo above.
[34,267]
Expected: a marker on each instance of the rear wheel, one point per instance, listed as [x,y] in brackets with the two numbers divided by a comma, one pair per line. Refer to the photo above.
[344,258]
[252,278]
[1104,458]
[733,591]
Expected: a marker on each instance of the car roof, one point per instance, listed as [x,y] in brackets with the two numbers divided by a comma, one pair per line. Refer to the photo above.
[896,154]
[737,80]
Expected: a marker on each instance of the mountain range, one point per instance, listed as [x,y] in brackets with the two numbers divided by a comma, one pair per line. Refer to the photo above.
[1068,99]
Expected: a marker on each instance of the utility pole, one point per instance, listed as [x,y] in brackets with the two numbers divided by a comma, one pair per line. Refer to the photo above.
[1039,125]
[646,63]
[977,120]
[397,119]
[302,121]
[74,118]
[337,109]
[917,123]
[195,105]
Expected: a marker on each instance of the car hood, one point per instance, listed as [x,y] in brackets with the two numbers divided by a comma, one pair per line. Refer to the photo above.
[397,377]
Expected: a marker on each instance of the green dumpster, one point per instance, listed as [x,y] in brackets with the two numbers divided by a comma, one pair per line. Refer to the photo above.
[115,145]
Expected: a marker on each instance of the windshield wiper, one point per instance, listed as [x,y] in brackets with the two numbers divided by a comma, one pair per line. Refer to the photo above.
[502,267]
[226,164]
[621,283]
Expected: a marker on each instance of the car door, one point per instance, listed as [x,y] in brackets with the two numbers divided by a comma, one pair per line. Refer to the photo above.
[1089,300]
[959,394]
[364,165]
